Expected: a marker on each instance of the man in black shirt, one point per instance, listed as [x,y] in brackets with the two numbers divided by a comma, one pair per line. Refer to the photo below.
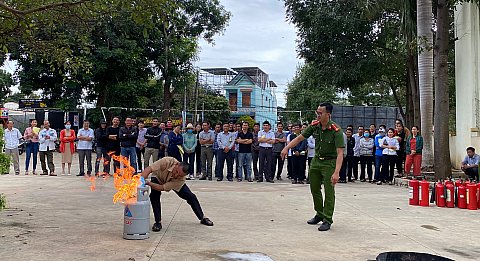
[245,140]
[128,138]
[280,141]
[101,140]
[153,142]
[113,143]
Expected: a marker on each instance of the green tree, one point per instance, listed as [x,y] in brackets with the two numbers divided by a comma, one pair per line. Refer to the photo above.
[248,119]
[4,159]
[6,82]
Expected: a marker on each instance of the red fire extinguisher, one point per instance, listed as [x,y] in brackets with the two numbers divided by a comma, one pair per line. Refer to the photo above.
[478,195]
[472,196]
[440,195]
[424,193]
[462,196]
[450,195]
[413,186]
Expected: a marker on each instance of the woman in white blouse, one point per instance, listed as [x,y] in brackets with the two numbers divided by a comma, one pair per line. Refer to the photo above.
[390,146]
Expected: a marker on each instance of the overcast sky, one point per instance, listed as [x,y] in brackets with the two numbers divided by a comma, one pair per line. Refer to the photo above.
[257,36]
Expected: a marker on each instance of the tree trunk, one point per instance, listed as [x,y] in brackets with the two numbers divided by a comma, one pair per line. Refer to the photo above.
[442,162]
[413,84]
[167,98]
[425,75]
[410,112]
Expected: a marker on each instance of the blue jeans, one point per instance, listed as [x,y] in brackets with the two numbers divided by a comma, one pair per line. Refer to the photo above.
[245,161]
[131,154]
[378,165]
[31,148]
[102,154]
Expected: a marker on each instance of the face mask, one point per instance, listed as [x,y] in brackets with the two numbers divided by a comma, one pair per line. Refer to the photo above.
[190,131]
[67,126]
[366,135]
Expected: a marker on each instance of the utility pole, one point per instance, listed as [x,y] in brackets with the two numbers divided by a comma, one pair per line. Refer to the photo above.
[184,114]
[196,99]
[203,111]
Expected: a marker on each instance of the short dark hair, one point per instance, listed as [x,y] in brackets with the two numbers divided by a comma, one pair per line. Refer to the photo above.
[298,124]
[361,126]
[279,123]
[383,126]
[328,106]
[349,129]
[184,166]
[266,122]
[218,124]
[154,118]
[471,148]
[373,125]
[256,124]
[140,121]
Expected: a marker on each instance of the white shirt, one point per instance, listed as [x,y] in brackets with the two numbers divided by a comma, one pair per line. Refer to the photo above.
[356,149]
[12,138]
[85,144]
[47,144]
[390,142]
[268,135]
[311,147]
[288,141]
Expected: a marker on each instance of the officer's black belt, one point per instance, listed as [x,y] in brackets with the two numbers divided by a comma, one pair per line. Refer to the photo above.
[326,158]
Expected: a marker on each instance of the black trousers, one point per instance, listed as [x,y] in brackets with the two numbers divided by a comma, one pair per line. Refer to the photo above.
[388,167]
[139,152]
[366,162]
[289,166]
[255,154]
[356,160]
[350,166]
[400,161]
[185,193]
[343,170]
[265,158]
[299,165]
[472,173]
[277,161]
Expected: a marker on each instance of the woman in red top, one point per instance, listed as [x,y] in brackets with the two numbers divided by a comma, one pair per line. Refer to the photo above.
[414,146]
[67,146]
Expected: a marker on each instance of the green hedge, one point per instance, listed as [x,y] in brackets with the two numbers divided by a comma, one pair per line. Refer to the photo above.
[4,159]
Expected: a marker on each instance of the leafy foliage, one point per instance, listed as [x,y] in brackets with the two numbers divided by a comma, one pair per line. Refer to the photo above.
[6,82]
[3,202]
[247,118]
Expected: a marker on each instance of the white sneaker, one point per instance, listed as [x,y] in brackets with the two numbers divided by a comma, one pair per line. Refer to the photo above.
[191,177]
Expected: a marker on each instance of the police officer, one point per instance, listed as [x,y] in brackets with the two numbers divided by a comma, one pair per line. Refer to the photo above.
[326,164]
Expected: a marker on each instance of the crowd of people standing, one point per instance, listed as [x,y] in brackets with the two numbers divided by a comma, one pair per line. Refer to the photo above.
[249,154]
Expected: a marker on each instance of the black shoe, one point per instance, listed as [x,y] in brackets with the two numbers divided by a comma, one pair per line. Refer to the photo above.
[250,180]
[300,182]
[210,178]
[324,226]
[270,181]
[363,180]
[219,179]
[80,175]
[259,180]
[351,180]
[230,179]
[279,178]
[294,181]
[315,220]
[157,227]
[203,178]
[43,174]
[239,180]
[206,222]
[342,181]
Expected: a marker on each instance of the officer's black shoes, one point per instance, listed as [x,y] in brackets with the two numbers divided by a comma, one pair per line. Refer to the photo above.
[157,227]
[315,220]
[207,222]
[324,226]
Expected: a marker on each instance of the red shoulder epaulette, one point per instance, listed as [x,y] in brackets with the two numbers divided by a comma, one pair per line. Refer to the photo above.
[334,127]
[315,122]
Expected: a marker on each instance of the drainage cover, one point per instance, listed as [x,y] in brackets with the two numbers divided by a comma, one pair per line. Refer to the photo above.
[234,256]
[410,256]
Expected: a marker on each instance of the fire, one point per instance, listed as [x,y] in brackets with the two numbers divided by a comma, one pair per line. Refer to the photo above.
[125,181]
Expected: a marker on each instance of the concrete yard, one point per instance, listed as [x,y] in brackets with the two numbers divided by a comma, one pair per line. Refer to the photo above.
[59,218]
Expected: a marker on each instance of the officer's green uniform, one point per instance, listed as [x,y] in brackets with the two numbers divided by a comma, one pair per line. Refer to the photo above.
[323,165]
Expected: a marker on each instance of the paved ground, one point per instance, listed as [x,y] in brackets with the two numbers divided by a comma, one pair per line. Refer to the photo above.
[58,218]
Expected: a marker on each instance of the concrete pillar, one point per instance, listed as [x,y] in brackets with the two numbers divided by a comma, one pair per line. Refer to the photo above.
[467,75]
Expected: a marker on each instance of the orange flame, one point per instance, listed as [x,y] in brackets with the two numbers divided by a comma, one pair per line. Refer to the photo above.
[125,181]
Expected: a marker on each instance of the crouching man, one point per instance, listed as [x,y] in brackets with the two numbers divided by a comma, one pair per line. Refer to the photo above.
[167,174]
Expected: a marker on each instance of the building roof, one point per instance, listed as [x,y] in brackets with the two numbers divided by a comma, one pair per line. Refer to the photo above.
[219,71]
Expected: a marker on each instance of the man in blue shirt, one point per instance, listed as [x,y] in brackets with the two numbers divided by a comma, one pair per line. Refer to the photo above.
[470,164]
[226,144]
[378,153]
